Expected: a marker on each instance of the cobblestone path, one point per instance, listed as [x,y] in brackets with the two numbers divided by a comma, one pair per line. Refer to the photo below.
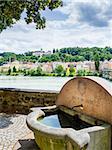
[12,129]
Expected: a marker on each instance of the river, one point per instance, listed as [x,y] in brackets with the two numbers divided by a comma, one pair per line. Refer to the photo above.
[37,83]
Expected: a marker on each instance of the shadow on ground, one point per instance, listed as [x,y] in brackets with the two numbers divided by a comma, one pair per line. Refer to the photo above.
[27,144]
[5,120]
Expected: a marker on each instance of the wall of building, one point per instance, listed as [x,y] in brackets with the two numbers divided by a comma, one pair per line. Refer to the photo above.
[20,101]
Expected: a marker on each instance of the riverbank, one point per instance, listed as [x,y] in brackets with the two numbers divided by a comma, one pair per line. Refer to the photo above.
[33,83]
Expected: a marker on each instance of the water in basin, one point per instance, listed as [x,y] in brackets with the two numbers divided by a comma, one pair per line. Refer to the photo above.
[63,120]
[51,120]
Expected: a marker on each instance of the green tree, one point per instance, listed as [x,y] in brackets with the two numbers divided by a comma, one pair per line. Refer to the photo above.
[72,70]
[32,72]
[8,56]
[74,54]
[28,53]
[11,10]
[2,61]
[39,71]
[49,58]
[55,57]
[81,72]
[54,51]
[14,69]
[9,71]
[97,61]
[59,70]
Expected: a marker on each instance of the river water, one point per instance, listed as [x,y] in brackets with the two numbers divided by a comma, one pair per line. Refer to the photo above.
[36,83]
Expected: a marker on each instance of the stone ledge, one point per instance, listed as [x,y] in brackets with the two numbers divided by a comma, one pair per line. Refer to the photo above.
[20,101]
[28,90]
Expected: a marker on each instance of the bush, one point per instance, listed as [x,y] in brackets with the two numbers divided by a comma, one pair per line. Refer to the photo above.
[59,70]
[81,73]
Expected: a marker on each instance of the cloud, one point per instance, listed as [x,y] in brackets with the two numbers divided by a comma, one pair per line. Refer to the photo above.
[54,15]
[92,15]
[92,12]
[86,24]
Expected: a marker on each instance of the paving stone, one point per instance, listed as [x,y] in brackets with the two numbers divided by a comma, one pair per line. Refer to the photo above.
[12,129]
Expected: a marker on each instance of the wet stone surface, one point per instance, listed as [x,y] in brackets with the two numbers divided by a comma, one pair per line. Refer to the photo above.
[14,133]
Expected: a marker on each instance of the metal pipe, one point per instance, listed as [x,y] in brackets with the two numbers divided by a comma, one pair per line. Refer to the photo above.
[77,106]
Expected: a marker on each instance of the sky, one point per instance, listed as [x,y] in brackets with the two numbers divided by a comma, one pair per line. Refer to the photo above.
[83,23]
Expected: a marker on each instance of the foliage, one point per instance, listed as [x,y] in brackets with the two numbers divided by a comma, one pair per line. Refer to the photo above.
[97,61]
[63,55]
[28,53]
[82,72]
[49,58]
[72,71]
[11,10]
[67,72]
[33,72]
[9,71]
[2,61]
[14,69]
[82,54]
[59,70]
[8,57]
[39,71]
[26,58]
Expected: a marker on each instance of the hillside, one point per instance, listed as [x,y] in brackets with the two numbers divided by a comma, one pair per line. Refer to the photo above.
[64,55]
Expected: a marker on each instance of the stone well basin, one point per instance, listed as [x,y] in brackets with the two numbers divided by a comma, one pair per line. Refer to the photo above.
[94,137]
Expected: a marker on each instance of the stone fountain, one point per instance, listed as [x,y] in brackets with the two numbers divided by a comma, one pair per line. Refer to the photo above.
[84,112]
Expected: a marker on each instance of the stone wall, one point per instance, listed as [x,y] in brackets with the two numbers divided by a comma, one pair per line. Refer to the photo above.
[20,101]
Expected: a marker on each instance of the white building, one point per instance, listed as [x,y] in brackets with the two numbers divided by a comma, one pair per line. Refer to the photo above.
[41,53]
